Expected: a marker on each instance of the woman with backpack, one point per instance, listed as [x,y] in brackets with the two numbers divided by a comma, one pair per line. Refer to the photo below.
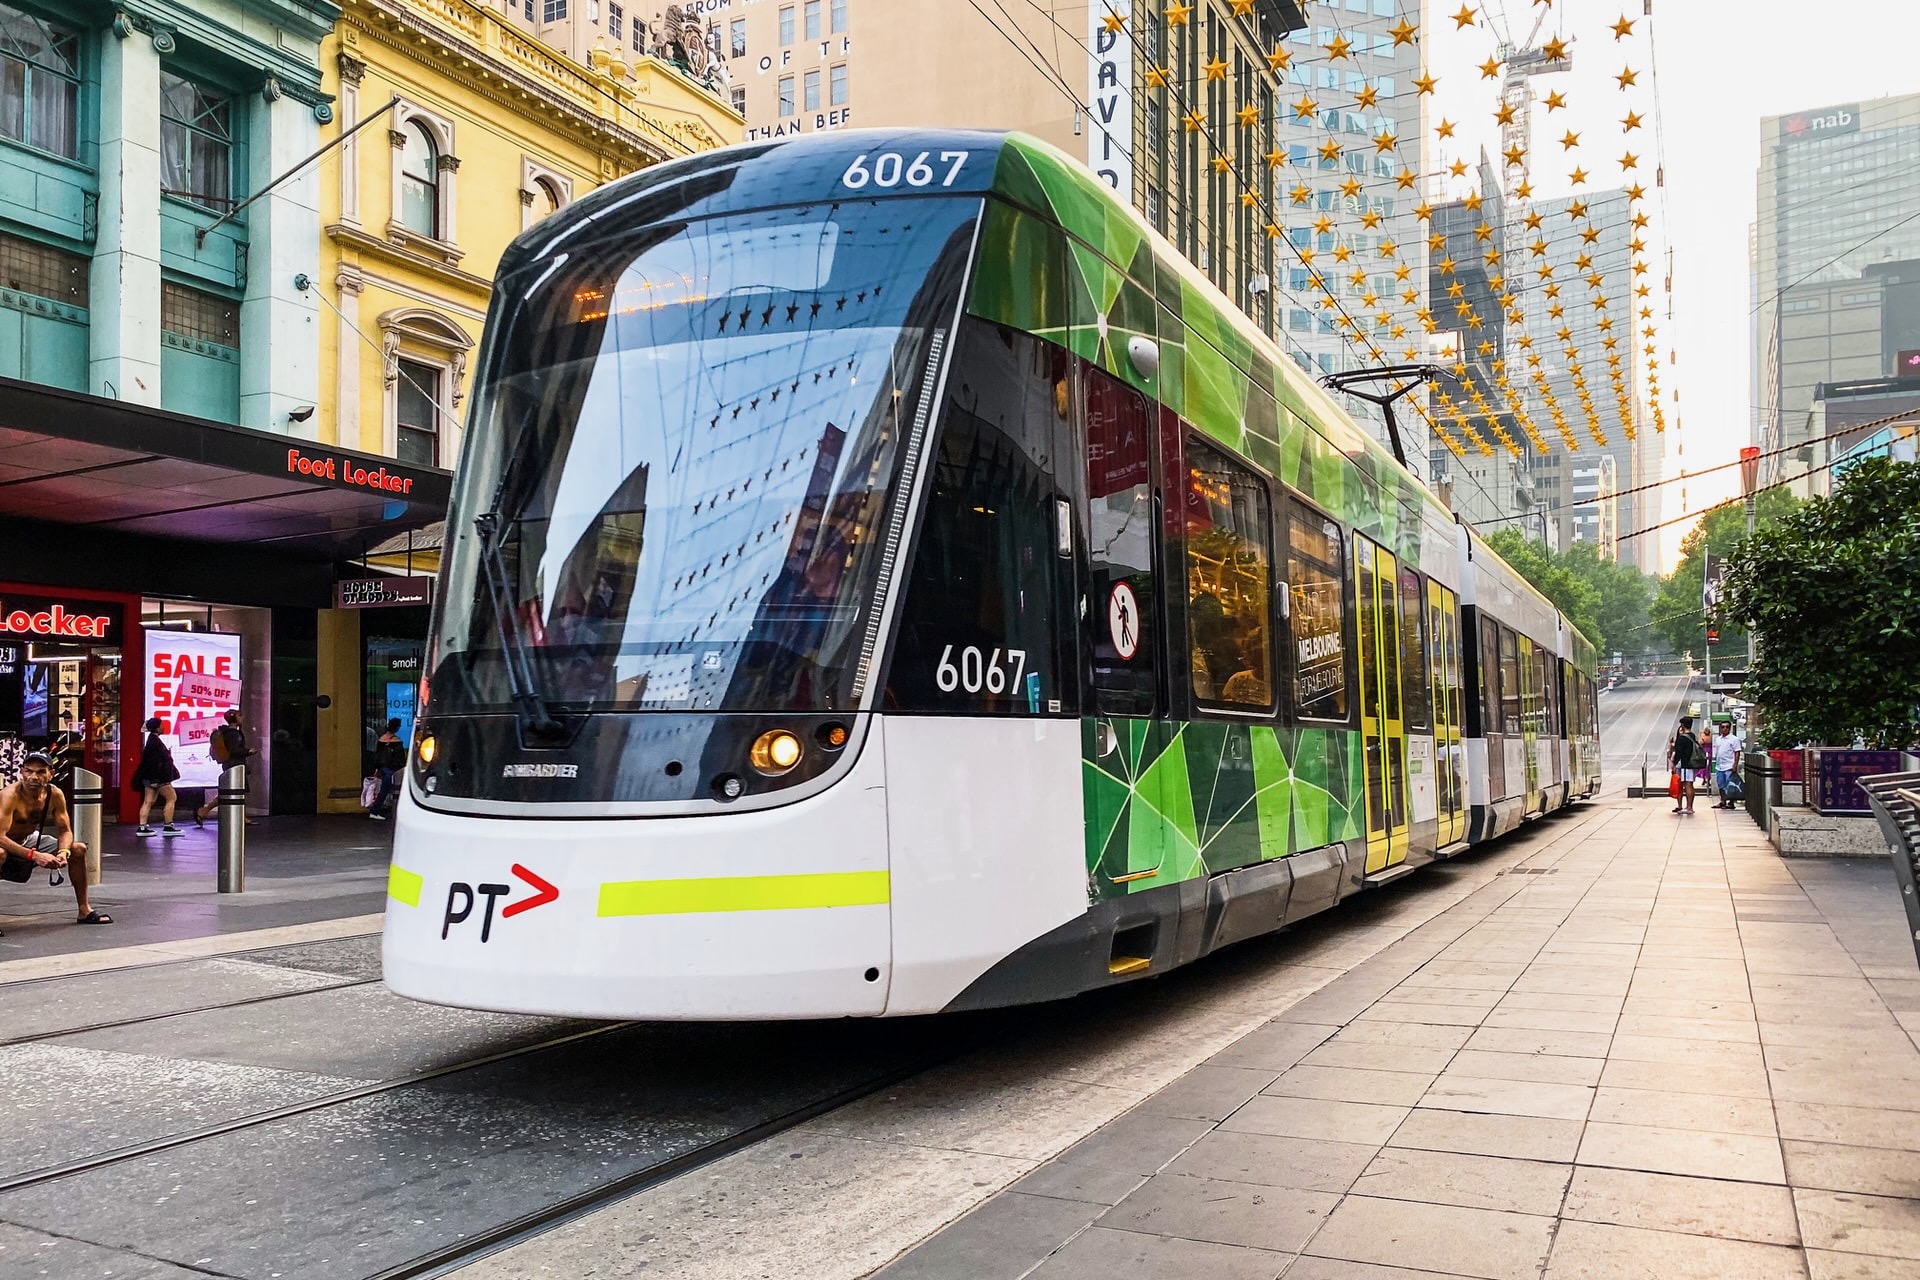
[389,758]
[1684,758]
[153,778]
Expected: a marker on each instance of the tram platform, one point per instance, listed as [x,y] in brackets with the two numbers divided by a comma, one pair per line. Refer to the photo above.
[1620,1044]
[306,877]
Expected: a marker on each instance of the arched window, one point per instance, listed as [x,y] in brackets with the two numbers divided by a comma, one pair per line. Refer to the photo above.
[546,199]
[419,181]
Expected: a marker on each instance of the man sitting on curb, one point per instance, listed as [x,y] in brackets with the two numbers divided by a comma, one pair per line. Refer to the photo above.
[37,827]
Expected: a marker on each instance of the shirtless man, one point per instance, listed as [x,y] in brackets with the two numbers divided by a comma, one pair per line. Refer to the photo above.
[37,827]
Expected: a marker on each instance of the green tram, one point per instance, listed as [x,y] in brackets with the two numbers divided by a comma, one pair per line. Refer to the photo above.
[884,577]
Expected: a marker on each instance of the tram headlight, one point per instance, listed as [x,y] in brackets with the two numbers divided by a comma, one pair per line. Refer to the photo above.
[428,748]
[775,752]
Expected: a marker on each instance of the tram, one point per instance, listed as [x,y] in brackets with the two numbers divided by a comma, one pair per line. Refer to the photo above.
[884,577]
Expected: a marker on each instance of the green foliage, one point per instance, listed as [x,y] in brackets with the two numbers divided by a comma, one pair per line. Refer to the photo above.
[1607,601]
[1677,618]
[1833,590]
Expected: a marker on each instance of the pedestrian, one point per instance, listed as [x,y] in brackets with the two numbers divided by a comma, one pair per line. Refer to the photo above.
[389,758]
[1726,759]
[33,815]
[1684,758]
[227,747]
[153,779]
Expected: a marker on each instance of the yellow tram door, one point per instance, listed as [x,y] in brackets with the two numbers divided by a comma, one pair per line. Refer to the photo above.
[1532,712]
[1443,624]
[1382,721]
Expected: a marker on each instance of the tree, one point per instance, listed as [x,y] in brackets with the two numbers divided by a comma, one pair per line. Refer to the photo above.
[1677,616]
[1833,590]
[1605,600]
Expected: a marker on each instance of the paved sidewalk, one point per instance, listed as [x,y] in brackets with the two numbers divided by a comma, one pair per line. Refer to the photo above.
[1657,1051]
[300,870]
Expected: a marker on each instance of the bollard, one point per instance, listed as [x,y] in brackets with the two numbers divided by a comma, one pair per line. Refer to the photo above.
[233,829]
[86,818]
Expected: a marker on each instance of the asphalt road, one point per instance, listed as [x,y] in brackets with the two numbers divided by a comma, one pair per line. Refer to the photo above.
[1636,721]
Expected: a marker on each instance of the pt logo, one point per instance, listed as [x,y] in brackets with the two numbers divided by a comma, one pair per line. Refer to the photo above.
[461,898]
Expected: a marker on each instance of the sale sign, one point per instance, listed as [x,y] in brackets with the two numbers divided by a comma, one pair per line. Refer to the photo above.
[196,687]
[195,731]
[192,681]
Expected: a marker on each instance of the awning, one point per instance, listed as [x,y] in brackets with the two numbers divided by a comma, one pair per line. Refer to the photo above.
[93,463]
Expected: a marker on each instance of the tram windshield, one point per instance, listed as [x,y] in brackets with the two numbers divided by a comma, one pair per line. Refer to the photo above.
[686,444]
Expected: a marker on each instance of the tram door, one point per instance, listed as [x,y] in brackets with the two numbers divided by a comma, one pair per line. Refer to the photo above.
[1382,720]
[1443,624]
[1121,623]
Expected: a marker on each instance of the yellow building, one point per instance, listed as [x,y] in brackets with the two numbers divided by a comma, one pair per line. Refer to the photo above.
[469,132]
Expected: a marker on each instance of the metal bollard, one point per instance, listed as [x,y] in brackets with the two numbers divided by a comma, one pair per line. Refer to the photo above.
[87,795]
[233,829]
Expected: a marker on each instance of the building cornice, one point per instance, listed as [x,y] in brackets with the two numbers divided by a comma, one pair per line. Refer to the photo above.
[490,57]
[164,21]
[386,251]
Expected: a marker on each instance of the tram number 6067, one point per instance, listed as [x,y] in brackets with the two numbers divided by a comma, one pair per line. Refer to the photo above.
[977,672]
[891,168]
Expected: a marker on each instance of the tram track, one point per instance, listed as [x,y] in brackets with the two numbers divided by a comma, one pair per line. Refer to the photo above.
[161,1016]
[564,1141]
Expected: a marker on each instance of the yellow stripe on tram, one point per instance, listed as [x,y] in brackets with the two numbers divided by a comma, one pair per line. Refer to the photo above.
[403,886]
[744,893]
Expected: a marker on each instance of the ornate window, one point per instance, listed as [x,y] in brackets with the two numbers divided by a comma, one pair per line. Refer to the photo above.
[426,362]
[419,181]
[39,83]
[196,142]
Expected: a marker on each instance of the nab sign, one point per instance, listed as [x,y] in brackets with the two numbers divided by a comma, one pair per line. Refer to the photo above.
[1806,126]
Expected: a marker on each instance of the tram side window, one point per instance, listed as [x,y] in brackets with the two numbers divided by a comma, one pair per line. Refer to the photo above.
[1122,609]
[976,633]
[1229,614]
[1510,701]
[1413,652]
[1316,591]
[1539,712]
[1489,676]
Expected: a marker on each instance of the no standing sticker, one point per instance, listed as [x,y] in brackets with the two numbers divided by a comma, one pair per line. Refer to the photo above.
[1123,621]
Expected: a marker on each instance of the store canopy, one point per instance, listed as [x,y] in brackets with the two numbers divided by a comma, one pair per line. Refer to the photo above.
[106,465]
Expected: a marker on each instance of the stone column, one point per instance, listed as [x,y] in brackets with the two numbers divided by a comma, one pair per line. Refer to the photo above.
[347,355]
[279,327]
[123,356]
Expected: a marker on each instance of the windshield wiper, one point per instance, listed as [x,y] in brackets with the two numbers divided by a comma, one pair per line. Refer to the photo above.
[529,707]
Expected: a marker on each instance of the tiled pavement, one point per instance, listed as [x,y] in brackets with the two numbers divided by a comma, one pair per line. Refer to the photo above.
[1656,1052]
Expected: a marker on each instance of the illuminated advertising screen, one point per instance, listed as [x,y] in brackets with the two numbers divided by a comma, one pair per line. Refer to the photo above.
[192,680]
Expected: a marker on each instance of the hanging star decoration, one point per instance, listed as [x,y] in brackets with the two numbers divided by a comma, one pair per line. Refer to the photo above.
[1177,14]
[1403,32]
[1464,18]
[1424,83]
[1556,100]
[1217,69]
[1113,23]
[1338,48]
[1622,29]
[1248,116]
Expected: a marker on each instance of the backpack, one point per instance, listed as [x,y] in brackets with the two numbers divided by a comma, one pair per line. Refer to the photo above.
[218,747]
[1686,750]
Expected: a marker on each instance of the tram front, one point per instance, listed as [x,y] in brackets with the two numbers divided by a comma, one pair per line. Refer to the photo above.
[644,782]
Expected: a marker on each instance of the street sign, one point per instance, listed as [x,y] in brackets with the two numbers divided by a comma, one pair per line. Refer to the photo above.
[381,593]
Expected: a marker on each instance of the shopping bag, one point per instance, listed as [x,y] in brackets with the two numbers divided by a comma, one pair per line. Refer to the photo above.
[369,791]
[1673,788]
[1735,789]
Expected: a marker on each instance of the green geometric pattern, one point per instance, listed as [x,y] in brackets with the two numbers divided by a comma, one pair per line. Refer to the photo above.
[1070,264]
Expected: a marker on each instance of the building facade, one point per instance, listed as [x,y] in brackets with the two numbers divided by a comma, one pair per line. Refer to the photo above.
[1600,491]
[130,138]
[1835,186]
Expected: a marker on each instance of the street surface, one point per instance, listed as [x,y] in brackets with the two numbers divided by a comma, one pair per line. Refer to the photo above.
[1611,1045]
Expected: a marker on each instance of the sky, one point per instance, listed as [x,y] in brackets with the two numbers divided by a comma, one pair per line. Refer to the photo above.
[1720,69]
